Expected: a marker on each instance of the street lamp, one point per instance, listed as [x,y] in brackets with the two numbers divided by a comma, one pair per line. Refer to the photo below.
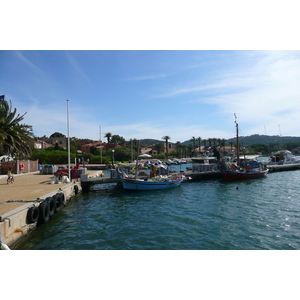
[113,157]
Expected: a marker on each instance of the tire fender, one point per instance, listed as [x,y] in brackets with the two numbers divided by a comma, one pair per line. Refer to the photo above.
[76,189]
[52,204]
[58,204]
[33,214]
[44,209]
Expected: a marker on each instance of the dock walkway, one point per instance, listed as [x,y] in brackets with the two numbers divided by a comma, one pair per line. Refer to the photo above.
[17,198]
[27,187]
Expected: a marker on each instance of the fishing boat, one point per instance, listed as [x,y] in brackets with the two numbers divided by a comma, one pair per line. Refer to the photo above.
[157,183]
[146,184]
[236,171]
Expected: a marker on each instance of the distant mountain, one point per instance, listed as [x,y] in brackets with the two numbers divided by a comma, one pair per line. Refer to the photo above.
[264,139]
[150,141]
[244,140]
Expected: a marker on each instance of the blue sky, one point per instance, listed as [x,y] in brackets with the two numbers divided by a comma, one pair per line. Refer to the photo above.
[149,94]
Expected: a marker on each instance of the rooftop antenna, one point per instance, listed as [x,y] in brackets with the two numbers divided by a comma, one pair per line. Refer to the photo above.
[265,130]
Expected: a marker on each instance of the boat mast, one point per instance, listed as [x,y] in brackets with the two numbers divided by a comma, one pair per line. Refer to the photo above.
[237,140]
[137,160]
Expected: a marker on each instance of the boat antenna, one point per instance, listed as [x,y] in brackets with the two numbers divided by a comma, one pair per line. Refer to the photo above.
[137,160]
[237,140]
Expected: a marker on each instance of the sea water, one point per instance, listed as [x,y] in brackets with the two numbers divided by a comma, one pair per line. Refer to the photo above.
[255,214]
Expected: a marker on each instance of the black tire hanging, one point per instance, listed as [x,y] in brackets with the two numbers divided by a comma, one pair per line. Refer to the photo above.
[59,202]
[33,214]
[44,209]
[52,204]
[62,197]
[76,189]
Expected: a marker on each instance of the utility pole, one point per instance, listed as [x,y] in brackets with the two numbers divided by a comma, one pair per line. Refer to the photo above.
[100,144]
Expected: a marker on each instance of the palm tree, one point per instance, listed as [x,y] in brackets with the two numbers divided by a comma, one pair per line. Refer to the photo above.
[209,142]
[167,138]
[178,146]
[108,135]
[193,140]
[199,140]
[15,138]
[204,142]
[223,144]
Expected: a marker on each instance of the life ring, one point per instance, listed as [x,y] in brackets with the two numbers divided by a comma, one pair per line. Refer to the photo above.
[120,169]
[44,209]
[21,166]
[52,204]
[33,214]
[76,189]
[58,203]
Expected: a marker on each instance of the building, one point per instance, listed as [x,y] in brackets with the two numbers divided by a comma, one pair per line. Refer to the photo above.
[61,141]
[38,144]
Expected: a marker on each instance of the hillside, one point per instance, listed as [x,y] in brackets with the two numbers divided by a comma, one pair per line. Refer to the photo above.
[265,139]
[244,140]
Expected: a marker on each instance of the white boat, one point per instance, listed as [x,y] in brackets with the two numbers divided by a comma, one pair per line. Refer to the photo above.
[204,160]
[284,157]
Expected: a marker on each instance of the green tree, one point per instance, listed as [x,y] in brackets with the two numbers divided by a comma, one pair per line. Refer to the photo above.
[57,135]
[159,147]
[119,140]
[15,138]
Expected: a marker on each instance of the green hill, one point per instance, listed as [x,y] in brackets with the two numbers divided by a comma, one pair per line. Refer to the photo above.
[265,140]
[244,140]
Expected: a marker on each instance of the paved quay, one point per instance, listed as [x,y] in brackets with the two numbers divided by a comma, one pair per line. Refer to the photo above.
[27,187]
[18,201]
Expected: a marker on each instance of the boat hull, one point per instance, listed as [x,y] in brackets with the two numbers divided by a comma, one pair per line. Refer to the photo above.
[235,175]
[132,184]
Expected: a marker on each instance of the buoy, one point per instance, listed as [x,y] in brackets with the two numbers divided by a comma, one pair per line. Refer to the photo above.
[237,188]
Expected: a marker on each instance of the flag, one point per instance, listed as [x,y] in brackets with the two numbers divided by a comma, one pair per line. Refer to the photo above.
[2,97]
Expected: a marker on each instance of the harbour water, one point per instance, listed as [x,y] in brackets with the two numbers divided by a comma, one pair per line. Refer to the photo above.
[256,214]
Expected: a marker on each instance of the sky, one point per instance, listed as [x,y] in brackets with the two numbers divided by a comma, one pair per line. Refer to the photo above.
[147,71]
[152,93]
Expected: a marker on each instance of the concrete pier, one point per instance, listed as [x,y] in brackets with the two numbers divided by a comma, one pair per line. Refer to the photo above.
[27,191]
[281,168]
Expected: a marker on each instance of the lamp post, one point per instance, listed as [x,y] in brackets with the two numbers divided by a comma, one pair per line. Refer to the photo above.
[113,157]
